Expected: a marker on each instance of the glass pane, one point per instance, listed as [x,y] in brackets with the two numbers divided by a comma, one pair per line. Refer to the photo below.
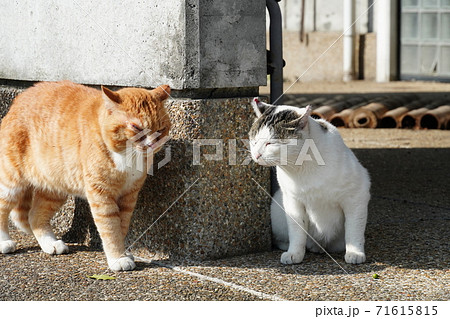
[428,28]
[445,3]
[410,3]
[429,3]
[445,61]
[409,63]
[410,25]
[428,60]
[445,26]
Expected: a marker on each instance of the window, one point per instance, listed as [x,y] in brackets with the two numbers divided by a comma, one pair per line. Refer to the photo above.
[425,40]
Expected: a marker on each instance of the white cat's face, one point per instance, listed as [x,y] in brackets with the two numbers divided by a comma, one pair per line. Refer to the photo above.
[276,130]
[264,148]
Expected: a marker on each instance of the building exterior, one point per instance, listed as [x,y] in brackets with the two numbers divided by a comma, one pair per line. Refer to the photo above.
[391,40]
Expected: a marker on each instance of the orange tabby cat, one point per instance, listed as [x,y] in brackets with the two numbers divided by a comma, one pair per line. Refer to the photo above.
[61,138]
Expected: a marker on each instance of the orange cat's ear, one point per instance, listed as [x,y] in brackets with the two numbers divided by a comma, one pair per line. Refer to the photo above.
[162,92]
[111,98]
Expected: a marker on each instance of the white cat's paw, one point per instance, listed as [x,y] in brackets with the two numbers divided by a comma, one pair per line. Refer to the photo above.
[313,247]
[7,246]
[57,247]
[355,257]
[289,258]
[122,263]
[128,254]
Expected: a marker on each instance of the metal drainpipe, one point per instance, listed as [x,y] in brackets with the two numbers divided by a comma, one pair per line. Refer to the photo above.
[276,67]
[276,52]
[349,41]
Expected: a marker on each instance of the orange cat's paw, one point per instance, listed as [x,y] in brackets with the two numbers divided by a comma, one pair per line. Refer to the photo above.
[121,264]
[57,247]
[7,246]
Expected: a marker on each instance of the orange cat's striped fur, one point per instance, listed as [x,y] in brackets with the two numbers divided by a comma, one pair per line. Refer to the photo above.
[61,138]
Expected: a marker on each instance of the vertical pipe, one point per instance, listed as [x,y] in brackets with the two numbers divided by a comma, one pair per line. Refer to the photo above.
[314,16]
[370,18]
[276,52]
[387,37]
[349,41]
[302,22]
[276,77]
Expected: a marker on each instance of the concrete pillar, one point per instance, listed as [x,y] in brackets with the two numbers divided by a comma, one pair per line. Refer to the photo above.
[213,55]
[187,44]
[387,40]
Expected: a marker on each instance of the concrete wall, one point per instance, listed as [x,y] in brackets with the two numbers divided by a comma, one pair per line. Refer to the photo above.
[184,43]
[232,43]
[301,57]
[323,25]
[321,15]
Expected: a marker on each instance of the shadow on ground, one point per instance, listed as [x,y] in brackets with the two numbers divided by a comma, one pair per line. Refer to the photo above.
[409,217]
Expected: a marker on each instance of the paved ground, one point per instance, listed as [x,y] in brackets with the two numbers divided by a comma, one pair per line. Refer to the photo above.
[407,246]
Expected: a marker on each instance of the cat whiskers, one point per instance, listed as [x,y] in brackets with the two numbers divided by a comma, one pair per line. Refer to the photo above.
[143,157]
[271,161]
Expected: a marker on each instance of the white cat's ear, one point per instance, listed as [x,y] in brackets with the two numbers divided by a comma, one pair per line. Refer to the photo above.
[110,98]
[259,107]
[304,119]
[302,122]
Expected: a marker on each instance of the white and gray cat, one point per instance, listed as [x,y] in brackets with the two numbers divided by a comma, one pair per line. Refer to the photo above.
[324,190]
